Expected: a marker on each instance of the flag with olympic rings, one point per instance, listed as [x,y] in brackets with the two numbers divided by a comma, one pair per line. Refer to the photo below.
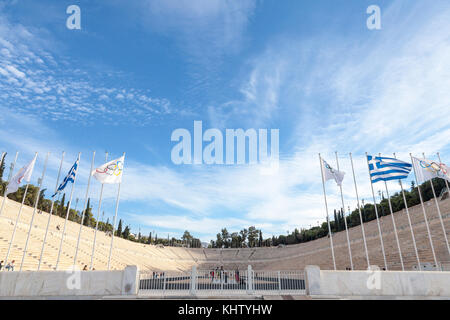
[110,172]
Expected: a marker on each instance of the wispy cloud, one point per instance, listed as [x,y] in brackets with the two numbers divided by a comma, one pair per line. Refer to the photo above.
[33,80]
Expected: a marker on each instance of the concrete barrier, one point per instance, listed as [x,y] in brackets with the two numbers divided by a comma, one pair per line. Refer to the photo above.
[69,283]
[377,283]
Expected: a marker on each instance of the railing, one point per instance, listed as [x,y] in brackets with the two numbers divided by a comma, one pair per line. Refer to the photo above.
[222,282]
[277,282]
[444,265]
[163,283]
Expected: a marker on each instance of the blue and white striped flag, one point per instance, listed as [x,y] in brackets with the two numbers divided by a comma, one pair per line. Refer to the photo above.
[69,178]
[385,169]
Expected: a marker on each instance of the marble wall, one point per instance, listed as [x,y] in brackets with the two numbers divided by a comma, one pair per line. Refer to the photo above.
[377,283]
[69,283]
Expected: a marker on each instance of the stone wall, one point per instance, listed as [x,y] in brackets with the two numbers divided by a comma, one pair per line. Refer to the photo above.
[377,283]
[69,283]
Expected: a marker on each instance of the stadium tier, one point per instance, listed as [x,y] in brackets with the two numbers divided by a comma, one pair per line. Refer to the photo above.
[156,258]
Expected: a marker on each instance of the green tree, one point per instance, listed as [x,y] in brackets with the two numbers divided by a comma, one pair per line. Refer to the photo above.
[88,216]
[244,235]
[119,229]
[61,209]
[252,236]
[219,241]
[126,233]
[226,238]
[260,239]
[2,167]
[149,240]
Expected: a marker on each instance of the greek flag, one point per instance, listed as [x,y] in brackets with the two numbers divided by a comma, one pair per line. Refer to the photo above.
[69,178]
[385,169]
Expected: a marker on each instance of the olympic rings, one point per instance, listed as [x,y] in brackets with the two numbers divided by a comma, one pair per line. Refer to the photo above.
[113,169]
[433,166]
[329,168]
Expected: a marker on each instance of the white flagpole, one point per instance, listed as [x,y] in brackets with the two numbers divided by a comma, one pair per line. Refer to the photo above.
[11,170]
[376,214]
[67,213]
[439,213]
[395,228]
[360,214]
[18,217]
[424,212]
[326,208]
[114,223]
[409,222]
[394,225]
[84,210]
[345,219]
[98,216]
[50,214]
[34,211]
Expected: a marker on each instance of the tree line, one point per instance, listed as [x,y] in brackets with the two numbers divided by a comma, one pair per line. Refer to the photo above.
[250,237]
[253,237]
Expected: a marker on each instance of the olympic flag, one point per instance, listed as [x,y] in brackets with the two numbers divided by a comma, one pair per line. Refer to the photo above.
[23,174]
[110,172]
[428,169]
[330,173]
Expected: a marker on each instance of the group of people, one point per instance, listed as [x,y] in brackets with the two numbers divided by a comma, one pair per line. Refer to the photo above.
[157,275]
[222,276]
[8,267]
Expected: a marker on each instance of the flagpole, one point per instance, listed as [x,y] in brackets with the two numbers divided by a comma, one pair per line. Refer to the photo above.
[98,216]
[50,214]
[424,212]
[439,213]
[34,211]
[376,214]
[395,227]
[84,211]
[393,224]
[360,214]
[326,208]
[345,219]
[18,217]
[409,222]
[67,213]
[114,223]
[11,170]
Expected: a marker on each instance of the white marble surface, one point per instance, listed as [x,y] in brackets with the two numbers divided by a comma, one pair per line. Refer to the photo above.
[130,280]
[378,283]
[55,283]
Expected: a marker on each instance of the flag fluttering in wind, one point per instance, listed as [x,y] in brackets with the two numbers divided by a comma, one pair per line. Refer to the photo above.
[385,169]
[330,173]
[428,169]
[110,172]
[69,178]
[23,174]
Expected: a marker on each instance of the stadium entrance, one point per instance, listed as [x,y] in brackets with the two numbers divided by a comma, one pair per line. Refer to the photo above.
[222,282]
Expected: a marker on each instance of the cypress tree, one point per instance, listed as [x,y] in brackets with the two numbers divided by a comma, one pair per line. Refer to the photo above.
[61,206]
[119,229]
[2,167]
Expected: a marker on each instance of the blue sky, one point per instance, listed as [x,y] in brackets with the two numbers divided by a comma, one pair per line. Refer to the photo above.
[136,72]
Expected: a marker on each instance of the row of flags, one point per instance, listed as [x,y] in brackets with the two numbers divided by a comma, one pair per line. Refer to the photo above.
[384,169]
[110,172]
